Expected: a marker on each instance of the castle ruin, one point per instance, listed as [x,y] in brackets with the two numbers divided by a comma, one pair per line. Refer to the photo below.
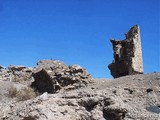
[127,54]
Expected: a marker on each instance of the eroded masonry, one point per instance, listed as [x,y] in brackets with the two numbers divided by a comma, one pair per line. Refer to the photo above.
[127,54]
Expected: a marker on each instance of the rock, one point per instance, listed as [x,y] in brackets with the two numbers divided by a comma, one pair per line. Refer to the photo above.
[44,83]
[52,75]
[4,74]
[16,68]
[127,54]
[20,73]
[28,70]
[44,96]
[2,68]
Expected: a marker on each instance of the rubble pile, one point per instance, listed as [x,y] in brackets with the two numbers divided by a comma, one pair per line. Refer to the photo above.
[4,74]
[16,73]
[20,73]
[52,75]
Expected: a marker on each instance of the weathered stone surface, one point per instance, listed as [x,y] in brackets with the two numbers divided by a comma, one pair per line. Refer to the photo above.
[16,73]
[52,75]
[20,73]
[124,98]
[16,68]
[44,83]
[4,75]
[2,68]
[127,54]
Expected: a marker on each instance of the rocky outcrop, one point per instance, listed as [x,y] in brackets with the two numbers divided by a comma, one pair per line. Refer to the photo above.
[48,76]
[125,98]
[127,54]
[20,73]
[16,68]
[4,75]
[16,73]
[52,75]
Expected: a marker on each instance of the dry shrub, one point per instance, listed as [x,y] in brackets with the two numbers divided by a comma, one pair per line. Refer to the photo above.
[22,94]
[25,94]
[12,92]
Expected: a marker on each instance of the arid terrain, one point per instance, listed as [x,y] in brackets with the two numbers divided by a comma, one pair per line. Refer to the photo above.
[132,97]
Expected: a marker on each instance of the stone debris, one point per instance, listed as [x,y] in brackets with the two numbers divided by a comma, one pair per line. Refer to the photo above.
[20,73]
[52,75]
[127,54]
[4,74]
[16,68]
[16,73]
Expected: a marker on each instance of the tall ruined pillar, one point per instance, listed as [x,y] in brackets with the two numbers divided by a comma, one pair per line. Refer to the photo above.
[127,54]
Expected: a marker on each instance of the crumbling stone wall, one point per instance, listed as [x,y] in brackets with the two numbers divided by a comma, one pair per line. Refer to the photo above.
[127,54]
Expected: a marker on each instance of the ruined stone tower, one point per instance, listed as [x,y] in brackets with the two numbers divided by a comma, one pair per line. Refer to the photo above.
[127,54]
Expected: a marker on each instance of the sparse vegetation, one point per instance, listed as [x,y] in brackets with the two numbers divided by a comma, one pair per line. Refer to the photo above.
[12,92]
[22,94]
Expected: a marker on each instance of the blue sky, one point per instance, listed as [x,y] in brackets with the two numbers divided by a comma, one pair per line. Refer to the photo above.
[76,31]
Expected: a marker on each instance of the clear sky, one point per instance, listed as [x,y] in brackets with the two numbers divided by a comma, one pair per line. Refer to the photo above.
[76,31]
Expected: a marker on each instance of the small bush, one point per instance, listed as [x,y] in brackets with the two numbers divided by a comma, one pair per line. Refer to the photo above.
[22,94]
[12,92]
